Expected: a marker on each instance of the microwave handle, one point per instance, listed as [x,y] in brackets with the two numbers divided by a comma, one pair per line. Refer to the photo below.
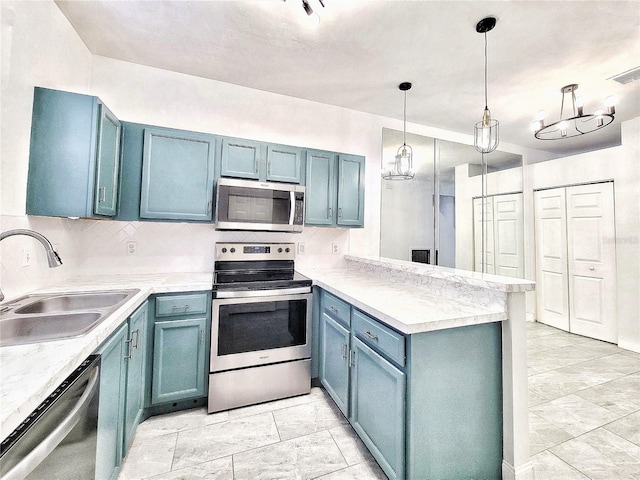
[292,206]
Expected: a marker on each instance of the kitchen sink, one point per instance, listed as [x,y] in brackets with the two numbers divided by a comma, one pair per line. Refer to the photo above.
[73,302]
[42,328]
[48,317]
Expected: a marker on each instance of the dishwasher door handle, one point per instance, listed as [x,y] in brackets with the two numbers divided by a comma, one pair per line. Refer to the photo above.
[51,441]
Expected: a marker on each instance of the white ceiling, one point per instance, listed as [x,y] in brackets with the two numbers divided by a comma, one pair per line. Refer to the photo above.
[362,50]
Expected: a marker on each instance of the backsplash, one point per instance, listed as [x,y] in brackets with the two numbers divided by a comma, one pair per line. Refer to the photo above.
[89,247]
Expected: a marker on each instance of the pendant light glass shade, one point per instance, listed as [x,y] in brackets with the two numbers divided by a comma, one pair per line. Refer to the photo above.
[402,166]
[486,132]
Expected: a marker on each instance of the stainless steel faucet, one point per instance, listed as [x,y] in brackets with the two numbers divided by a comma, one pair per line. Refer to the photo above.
[52,257]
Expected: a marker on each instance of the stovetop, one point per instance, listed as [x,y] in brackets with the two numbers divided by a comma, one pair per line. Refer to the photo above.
[257,266]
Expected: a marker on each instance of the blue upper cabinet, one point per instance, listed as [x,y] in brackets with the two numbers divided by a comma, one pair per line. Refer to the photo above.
[177,175]
[283,163]
[74,156]
[260,161]
[350,191]
[320,188]
[334,189]
[240,158]
[108,160]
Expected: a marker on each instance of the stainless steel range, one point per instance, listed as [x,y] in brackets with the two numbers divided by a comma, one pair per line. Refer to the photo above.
[261,326]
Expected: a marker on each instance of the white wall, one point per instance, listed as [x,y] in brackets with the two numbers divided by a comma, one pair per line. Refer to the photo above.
[622,165]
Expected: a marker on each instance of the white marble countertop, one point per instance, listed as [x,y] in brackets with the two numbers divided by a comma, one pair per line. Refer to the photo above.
[29,373]
[407,308]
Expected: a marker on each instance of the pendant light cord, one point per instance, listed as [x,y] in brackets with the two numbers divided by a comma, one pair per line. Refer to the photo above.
[404,122]
[485,71]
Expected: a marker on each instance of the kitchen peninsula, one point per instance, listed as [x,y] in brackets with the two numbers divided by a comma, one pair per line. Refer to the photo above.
[416,301]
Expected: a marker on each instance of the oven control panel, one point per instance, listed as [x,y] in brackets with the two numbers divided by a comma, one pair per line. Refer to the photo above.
[255,251]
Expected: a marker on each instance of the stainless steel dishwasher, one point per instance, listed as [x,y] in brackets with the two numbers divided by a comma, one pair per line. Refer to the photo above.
[58,440]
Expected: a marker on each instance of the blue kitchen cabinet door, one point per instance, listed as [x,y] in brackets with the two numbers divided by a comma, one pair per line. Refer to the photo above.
[113,372]
[240,158]
[74,156]
[334,361]
[178,360]
[350,191]
[378,394]
[136,374]
[320,188]
[177,175]
[108,162]
[284,164]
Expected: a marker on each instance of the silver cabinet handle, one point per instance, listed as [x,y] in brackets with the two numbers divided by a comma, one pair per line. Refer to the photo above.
[136,332]
[257,161]
[209,206]
[130,348]
[201,336]
[343,350]
[371,335]
[177,307]
[340,212]
[352,358]
[333,309]
[269,167]
[103,194]
[330,212]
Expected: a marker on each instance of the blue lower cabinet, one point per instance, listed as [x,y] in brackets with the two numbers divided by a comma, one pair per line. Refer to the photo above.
[136,374]
[378,407]
[334,365]
[428,406]
[179,360]
[113,376]
[122,387]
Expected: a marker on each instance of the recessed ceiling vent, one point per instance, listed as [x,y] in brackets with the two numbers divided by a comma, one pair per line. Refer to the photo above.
[627,77]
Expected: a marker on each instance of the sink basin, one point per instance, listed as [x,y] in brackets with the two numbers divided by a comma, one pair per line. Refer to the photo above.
[42,328]
[73,302]
[57,316]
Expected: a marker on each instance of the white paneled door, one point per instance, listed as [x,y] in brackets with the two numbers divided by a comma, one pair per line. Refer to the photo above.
[503,235]
[576,258]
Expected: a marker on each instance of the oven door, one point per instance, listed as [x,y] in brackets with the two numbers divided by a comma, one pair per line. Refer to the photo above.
[252,331]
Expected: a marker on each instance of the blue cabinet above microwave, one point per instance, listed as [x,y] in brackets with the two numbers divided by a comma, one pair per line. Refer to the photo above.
[260,161]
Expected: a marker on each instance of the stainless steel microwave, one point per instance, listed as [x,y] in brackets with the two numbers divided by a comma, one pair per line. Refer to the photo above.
[264,206]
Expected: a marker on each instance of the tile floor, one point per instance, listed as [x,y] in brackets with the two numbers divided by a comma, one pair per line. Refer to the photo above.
[584,404]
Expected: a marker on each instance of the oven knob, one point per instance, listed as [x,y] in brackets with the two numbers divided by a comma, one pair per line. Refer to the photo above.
[287,250]
[280,250]
[224,250]
[233,250]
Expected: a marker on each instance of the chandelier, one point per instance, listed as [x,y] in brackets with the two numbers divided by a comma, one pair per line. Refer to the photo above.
[579,123]
[402,167]
[486,131]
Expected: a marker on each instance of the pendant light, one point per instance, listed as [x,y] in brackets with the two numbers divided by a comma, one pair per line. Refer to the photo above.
[486,131]
[402,167]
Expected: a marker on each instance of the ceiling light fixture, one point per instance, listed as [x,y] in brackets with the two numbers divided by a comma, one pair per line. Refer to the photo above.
[486,134]
[579,123]
[402,167]
[314,18]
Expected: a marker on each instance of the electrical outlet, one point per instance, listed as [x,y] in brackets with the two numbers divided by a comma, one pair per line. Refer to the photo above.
[131,248]
[27,257]
[334,248]
[300,248]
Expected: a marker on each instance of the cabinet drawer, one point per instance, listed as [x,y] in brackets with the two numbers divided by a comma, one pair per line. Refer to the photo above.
[338,309]
[172,305]
[381,338]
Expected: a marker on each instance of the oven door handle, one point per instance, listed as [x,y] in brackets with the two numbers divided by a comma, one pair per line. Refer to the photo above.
[260,293]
